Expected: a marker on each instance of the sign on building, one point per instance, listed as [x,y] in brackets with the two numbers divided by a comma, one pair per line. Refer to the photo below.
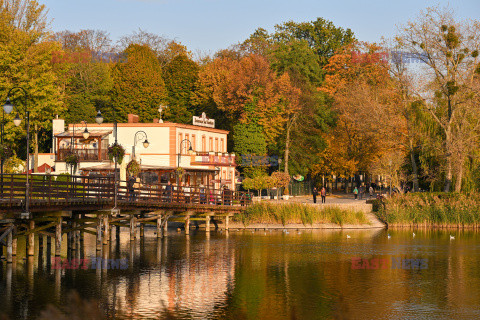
[203,121]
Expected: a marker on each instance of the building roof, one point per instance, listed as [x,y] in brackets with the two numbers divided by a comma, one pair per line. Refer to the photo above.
[154,124]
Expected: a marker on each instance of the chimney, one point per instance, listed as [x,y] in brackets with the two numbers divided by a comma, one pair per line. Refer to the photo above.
[155,120]
[132,118]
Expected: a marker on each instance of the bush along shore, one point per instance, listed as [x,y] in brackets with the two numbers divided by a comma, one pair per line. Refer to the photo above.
[269,213]
[439,210]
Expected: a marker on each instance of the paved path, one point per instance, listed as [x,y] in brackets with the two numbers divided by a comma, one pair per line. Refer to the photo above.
[332,199]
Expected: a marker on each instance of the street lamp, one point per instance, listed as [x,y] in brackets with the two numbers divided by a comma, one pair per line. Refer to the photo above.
[189,152]
[8,108]
[2,160]
[99,120]
[139,135]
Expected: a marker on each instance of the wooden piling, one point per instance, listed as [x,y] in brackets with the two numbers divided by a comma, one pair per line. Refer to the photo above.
[159,226]
[207,224]
[133,227]
[31,239]
[226,222]
[58,237]
[99,233]
[142,230]
[10,247]
[14,247]
[106,228]
[187,224]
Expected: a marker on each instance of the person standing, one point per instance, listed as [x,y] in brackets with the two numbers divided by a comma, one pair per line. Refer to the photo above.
[323,193]
[361,190]
[315,194]
[131,188]
[355,193]
[168,191]
[370,191]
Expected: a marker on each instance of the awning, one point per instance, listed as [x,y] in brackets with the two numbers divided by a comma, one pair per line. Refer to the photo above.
[79,133]
[110,166]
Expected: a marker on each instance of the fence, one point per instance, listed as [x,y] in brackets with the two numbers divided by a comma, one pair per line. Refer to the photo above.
[50,188]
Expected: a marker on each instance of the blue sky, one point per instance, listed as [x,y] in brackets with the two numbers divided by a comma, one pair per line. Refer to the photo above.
[210,25]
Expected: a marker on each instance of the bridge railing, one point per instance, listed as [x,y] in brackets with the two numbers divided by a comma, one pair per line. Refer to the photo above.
[54,187]
[50,188]
[191,195]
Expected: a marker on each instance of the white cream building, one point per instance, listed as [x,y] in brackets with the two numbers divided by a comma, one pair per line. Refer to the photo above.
[210,164]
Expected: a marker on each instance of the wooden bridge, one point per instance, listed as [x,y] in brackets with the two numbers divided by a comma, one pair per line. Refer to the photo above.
[59,204]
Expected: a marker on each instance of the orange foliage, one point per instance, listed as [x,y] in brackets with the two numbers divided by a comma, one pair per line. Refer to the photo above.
[235,83]
[368,105]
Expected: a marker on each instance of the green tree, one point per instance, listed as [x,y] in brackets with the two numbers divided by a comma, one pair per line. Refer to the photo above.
[180,76]
[25,61]
[138,84]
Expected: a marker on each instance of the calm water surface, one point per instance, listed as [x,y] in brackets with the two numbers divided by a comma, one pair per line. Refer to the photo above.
[258,275]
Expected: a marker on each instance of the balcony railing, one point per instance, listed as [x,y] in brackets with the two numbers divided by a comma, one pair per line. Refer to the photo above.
[83,154]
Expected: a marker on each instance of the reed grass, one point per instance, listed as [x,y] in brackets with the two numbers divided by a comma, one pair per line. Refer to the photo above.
[436,209]
[274,213]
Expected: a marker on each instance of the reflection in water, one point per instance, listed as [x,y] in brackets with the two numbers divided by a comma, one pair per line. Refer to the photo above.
[256,275]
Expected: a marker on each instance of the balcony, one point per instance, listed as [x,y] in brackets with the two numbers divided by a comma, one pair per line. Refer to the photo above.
[84,155]
[216,159]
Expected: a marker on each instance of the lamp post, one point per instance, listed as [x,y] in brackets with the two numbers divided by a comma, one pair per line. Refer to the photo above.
[189,151]
[139,135]
[85,134]
[8,108]
[2,161]
[99,120]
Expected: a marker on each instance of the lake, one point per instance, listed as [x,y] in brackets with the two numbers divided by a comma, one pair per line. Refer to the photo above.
[314,274]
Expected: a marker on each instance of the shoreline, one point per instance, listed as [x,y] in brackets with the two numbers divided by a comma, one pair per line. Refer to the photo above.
[430,226]
[300,226]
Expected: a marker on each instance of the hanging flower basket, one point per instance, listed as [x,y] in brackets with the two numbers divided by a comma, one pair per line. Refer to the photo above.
[5,152]
[180,172]
[72,160]
[133,167]
[116,151]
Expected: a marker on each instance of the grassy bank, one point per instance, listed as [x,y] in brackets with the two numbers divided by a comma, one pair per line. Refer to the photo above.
[278,213]
[431,209]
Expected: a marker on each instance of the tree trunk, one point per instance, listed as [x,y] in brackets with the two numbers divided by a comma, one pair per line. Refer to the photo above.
[35,157]
[287,147]
[414,167]
[459,178]
[448,176]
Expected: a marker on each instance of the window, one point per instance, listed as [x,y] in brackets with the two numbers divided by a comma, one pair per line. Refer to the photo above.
[194,143]
[216,145]
[180,138]
[211,144]
[222,149]
[204,144]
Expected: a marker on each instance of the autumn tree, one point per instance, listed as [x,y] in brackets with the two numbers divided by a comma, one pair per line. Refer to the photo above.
[365,98]
[25,61]
[232,84]
[301,50]
[449,52]
[165,49]
[138,84]
[83,69]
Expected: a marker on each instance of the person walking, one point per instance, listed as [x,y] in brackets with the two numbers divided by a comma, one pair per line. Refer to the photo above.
[370,191]
[355,193]
[315,194]
[361,191]
[323,193]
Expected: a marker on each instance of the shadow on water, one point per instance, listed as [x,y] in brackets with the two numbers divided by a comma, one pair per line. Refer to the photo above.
[308,274]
